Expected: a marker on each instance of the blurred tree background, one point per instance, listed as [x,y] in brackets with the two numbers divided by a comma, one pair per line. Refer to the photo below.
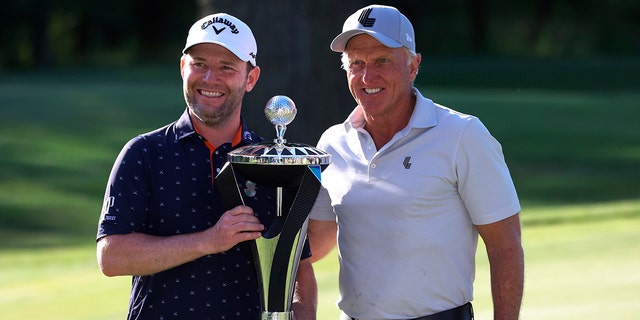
[293,38]
[45,33]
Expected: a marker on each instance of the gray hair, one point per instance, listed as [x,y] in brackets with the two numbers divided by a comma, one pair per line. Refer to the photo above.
[410,56]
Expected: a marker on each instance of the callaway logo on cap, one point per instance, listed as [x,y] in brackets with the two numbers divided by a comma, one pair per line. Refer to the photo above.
[225,30]
[385,23]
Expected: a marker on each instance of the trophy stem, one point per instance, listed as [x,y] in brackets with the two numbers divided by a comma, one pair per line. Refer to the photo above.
[278,201]
[280,130]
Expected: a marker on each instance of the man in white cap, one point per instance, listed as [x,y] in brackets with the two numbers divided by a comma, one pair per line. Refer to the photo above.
[163,220]
[411,185]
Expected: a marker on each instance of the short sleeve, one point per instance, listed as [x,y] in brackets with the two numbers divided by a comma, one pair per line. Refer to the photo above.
[484,181]
[322,209]
[126,196]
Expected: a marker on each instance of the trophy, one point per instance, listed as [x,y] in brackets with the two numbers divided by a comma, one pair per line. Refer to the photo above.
[293,169]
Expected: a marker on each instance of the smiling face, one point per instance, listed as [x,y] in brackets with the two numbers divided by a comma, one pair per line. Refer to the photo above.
[214,82]
[380,80]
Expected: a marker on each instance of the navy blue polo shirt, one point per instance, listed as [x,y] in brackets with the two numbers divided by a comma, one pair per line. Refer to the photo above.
[162,184]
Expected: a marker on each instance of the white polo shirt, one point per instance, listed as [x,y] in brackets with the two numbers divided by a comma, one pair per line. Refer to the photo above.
[406,212]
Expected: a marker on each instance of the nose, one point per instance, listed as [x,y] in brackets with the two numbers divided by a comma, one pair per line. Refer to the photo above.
[209,75]
[369,74]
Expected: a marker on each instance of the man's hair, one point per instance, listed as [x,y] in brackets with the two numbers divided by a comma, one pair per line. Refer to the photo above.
[410,56]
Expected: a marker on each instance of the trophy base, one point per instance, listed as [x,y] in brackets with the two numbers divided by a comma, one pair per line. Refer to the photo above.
[287,315]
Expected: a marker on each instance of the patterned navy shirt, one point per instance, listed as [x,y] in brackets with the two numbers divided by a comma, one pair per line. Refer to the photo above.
[162,184]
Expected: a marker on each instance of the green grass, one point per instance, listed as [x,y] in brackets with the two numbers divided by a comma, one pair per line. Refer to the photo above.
[584,271]
[569,132]
[574,270]
[58,283]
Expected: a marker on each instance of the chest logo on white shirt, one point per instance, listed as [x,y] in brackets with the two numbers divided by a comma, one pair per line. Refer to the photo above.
[407,163]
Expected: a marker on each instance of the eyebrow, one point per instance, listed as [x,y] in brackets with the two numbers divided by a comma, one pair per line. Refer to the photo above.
[222,61]
[197,58]
[372,57]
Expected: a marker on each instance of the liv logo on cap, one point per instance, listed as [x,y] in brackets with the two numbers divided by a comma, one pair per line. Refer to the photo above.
[364,19]
[385,23]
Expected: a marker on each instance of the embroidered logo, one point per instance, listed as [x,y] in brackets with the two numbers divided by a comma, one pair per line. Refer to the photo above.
[218,31]
[108,203]
[250,189]
[224,21]
[364,19]
[407,163]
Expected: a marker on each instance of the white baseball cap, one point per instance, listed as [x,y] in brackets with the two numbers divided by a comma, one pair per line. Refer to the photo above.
[225,30]
[385,23]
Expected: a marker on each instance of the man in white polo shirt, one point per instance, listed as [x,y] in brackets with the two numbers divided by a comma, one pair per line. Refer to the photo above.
[411,186]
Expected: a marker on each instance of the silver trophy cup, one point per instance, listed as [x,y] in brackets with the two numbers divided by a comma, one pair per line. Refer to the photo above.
[293,169]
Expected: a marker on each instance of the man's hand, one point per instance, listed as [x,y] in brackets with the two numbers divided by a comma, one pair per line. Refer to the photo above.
[234,226]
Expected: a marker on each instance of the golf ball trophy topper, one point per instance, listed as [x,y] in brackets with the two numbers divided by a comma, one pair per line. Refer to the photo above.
[294,170]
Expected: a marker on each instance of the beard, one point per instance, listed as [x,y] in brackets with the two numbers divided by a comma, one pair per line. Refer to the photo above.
[214,117]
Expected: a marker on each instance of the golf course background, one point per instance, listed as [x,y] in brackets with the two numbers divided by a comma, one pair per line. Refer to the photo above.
[570,131]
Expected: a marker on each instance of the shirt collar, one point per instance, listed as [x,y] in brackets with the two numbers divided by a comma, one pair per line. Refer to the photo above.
[184,128]
[424,114]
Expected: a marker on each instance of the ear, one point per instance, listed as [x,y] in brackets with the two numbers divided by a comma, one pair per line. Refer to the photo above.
[415,66]
[182,66]
[252,78]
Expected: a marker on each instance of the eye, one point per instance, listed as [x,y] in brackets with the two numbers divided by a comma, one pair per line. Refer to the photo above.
[198,65]
[356,65]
